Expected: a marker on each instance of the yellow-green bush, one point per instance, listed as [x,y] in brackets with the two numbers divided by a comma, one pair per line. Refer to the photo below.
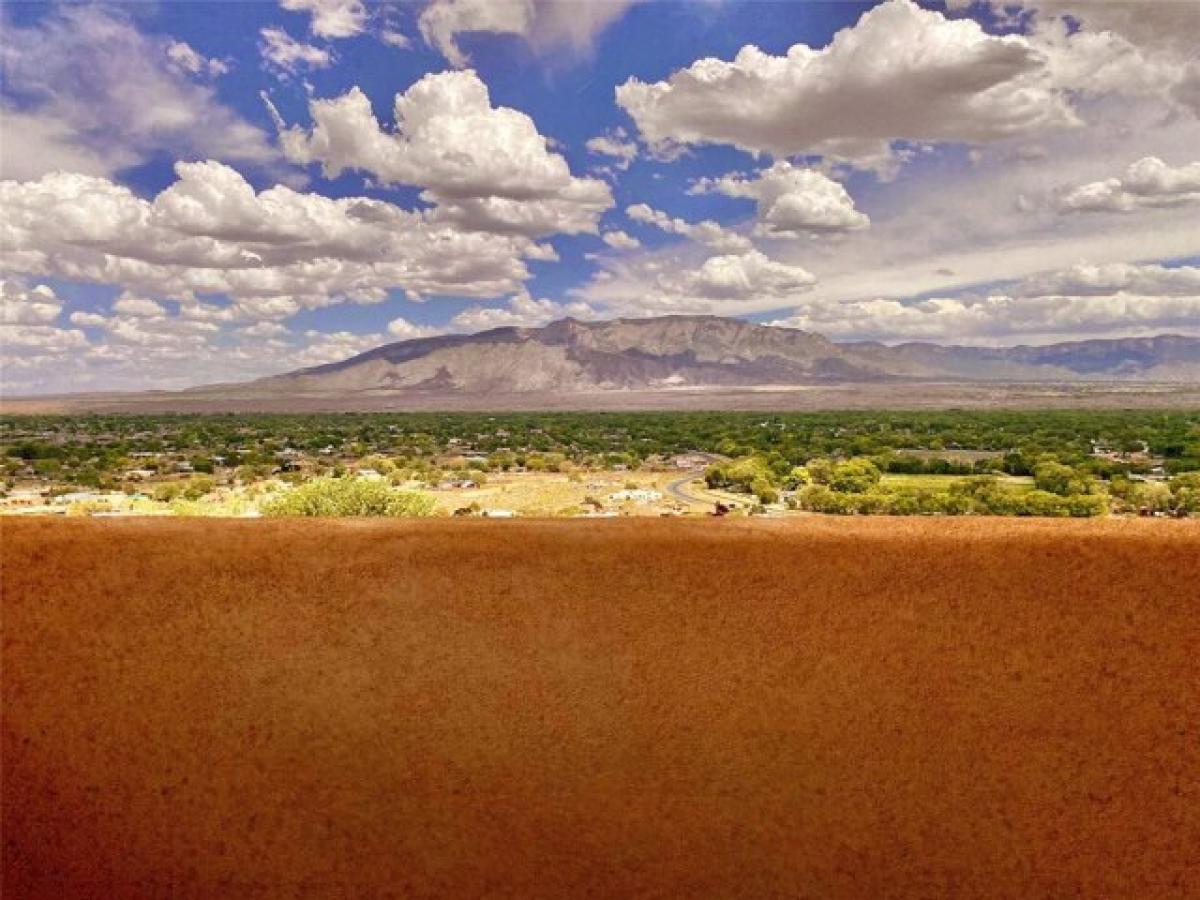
[345,497]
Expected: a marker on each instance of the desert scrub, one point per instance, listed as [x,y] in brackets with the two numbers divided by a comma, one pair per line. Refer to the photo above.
[222,508]
[344,497]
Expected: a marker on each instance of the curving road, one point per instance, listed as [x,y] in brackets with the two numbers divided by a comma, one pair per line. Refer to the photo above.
[676,490]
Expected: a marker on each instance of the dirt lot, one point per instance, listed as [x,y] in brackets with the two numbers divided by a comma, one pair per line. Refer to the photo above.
[552,494]
[797,708]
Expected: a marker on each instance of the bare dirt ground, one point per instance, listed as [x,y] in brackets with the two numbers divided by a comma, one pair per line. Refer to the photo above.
[703,708]
[833,396]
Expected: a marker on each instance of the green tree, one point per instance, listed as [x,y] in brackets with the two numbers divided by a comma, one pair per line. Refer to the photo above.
[1185,493]
[1056,478]
[820,471]
[741,474]
[855,476]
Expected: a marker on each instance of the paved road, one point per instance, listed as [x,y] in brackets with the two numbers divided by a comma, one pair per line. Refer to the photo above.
[676,490]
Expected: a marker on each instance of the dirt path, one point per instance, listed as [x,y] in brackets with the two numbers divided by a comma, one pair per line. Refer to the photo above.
[662,708]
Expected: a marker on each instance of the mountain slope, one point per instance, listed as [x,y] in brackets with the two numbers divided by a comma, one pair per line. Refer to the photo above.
[694,351]
[618,354]
[1161,358]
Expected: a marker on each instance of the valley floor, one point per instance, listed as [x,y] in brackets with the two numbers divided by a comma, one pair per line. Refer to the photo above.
[826,396]
[816,707]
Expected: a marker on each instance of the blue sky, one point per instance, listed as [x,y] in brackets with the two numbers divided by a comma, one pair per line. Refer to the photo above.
[199,191]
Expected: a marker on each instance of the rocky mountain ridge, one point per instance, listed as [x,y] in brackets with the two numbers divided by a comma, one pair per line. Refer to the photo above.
[675,352]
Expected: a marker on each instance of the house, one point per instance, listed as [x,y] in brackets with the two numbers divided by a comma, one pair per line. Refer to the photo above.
[696,460]
[636,495]
[77,497]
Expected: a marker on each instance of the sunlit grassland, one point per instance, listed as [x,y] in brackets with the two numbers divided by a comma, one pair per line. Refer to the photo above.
[1015,483]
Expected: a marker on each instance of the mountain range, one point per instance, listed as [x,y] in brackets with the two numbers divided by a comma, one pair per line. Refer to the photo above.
[690,362]
[672,353]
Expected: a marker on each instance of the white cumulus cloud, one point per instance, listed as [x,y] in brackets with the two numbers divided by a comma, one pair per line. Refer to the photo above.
[187,59]
[792,201]
[545,24]
[726,284]
[273,252]
[88,92]
[404,330]
[485,167]
[286,55]
[1081,301]
[900,73]
[615,145]
[331,18]
[522,311]
[619,240]
[21,305]
[138,307]
[1147,183]
[709,233]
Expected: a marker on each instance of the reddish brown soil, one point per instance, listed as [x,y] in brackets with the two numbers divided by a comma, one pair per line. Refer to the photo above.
[811,708]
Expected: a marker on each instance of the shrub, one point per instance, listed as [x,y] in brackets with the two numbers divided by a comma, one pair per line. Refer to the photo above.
[344,497]
[195,488]
[167,491]
[764,490]
[1085,505]
[819,498]
[1040,503]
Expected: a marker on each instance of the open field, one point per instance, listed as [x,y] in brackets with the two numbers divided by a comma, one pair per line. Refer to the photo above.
[942,482]
[539,494]
[712,708]
[556,494]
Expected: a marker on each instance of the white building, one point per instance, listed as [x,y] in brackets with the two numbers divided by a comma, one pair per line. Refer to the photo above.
[637,495]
